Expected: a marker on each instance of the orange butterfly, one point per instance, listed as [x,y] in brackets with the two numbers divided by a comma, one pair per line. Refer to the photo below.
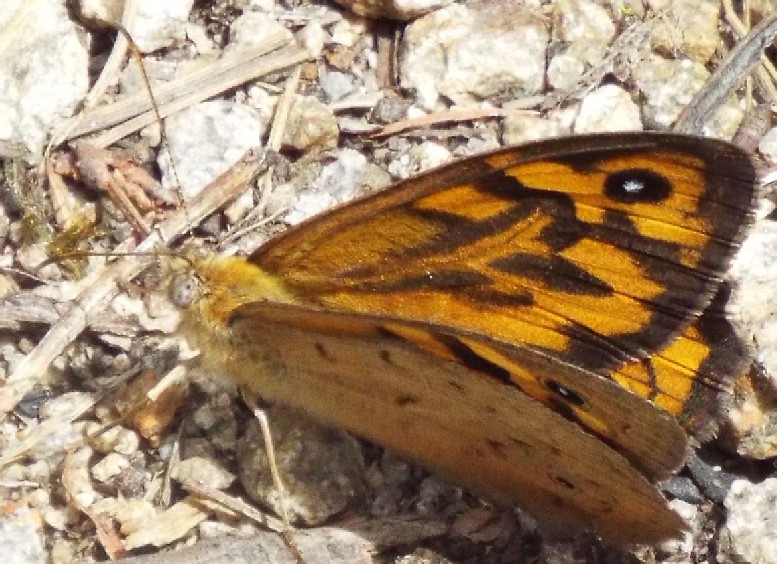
[505,319]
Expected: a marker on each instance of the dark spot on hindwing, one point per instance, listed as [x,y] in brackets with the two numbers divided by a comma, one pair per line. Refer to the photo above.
[404,400]
[472,360]
[563,481]
[322,352]
[498,448]
[637,185]
[385,356]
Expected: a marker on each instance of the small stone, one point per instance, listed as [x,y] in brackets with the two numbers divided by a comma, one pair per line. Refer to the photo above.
[20,540]
[109,467]
[313,37]
[680,550]
[311,125]
[668,85]
[252,28]
[36,258]
[390,108]
[204,471]
[44,70]
[204,141]
[608,108]
[752,417]
[690,27]
[434,494]
[564,71]
[336,85]
[160,24]
[337,182]
[60,518]
[118,439]
[346,32]
[64,551]
[396,471]
[587,30]
[750,531]
[65,405]
[101,13]
[131,514]
[520,129]
[458,52]
[683,488]
[768,145]
[321,468]
[706,467]
[419,158]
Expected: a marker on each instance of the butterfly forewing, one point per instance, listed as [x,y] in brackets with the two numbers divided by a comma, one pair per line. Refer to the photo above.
[599,250]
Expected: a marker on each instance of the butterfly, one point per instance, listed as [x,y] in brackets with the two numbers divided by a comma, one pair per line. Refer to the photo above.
[533,323]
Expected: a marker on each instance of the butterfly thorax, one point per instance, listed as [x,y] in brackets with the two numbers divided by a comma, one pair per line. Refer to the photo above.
[208,292]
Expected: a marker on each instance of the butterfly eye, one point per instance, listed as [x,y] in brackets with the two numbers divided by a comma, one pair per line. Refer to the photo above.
[183,290]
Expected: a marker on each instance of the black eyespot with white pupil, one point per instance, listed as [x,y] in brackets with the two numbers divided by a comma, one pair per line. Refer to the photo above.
[637,185]
[565,393]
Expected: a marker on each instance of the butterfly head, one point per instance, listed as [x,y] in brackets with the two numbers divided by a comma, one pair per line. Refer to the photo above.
[211,288]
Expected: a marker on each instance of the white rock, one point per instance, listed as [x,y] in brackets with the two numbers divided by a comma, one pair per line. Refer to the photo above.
[754,299]
[682,548]
[419,158]
[205,140]
[608,108]
[564,71]
[668,87]
[313,37]
[337,183]
[261,5]
[465,54]
[103,11]
[691,27]
[520,129]
[110,466]
[160,24]
[586,27]
[311,124]
[64,405]
[204,471]
[336,85]
[198,35]
[768,145]
[20,539]
[751,525]
[252,28]
[346,32]
[43,75]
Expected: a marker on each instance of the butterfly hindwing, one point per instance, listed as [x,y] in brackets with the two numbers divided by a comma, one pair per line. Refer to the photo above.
[349,371]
